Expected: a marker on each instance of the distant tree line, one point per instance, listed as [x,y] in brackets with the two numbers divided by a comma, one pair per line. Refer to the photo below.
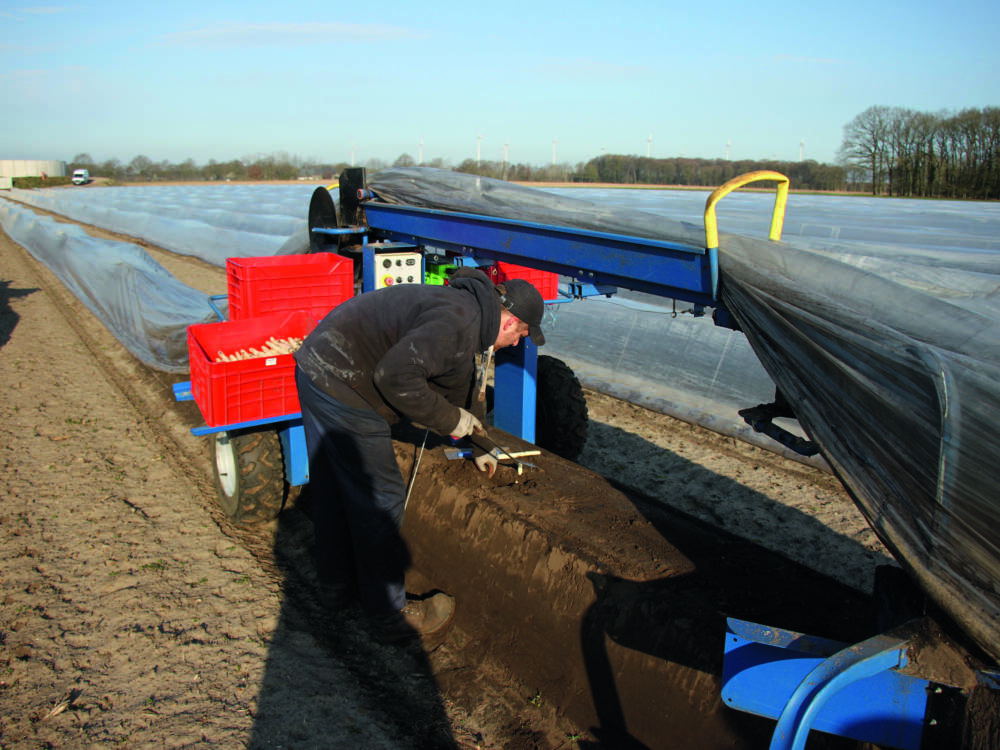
[279,166]
[617,169]
[901,152]
[885,151]
[641,170]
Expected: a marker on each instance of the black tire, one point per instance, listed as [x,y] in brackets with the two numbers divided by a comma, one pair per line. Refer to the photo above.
[561,410]
[250,475]
[323,215]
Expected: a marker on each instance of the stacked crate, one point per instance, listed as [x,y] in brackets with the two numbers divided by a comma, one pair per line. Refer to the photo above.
[229,391]
[276,298]
[546,282]
[313,283]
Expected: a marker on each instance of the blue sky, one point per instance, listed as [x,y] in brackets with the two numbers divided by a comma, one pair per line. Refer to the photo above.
[328,80]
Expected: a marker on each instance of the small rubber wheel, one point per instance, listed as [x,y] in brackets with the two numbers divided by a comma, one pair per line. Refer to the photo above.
[561,417]
[250,475]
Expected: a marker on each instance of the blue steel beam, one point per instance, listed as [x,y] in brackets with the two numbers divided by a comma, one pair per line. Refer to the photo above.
[665,269]
[515,379]
[838,675]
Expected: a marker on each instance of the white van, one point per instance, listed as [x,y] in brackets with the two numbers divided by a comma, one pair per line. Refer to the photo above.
[81,177]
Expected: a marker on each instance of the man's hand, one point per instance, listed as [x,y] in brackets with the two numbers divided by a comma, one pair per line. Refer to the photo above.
[467,424]
[487,462]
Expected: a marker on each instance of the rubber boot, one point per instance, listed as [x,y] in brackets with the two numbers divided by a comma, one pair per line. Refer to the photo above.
[420,618]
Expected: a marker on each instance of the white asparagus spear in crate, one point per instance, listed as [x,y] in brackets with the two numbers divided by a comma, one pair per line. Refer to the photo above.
[271,348]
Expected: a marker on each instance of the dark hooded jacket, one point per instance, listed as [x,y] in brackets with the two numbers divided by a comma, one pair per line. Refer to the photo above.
[407,350]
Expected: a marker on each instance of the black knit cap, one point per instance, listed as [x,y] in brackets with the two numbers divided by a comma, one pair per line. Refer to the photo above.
[526,304]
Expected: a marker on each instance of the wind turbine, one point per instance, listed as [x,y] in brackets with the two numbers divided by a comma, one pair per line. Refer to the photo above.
[649,146]
[554,142]
[420,152]
[729,146]
[479,148]
[802,145]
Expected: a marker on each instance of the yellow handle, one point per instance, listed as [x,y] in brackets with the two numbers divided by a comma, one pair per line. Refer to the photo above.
[780,200]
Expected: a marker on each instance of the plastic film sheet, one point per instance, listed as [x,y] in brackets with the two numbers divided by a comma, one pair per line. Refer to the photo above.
[212,222]
[454,191]
[137,299]
[901,388]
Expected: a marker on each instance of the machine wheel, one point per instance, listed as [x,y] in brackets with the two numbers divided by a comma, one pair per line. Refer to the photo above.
[561,409]
[322,215]
[250,475]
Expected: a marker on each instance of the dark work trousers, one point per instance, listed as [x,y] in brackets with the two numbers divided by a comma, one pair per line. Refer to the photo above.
[358,495]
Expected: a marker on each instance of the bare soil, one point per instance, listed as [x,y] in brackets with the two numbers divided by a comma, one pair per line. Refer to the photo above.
[134,614]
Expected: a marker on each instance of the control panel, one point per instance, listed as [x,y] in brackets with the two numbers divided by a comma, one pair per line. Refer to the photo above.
[398,268]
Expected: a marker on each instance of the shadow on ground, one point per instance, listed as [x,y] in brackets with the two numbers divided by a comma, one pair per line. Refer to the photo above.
[669,480]
[348,690]
[9,318]
[327,682]
[682,620]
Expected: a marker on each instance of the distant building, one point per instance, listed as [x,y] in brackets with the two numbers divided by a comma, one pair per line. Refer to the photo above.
[32,168]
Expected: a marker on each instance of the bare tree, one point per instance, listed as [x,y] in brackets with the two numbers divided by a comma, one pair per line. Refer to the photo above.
[82,161]
[141,167]
[865,142]
[991,135]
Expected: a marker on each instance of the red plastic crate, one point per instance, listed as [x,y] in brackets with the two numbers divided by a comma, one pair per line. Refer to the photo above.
[315,283]
[546,282]
[241,391]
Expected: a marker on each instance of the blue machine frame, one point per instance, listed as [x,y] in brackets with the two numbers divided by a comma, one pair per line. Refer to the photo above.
[597,262]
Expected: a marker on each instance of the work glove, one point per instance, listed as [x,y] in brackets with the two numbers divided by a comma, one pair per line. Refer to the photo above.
[487,462]
[467,424]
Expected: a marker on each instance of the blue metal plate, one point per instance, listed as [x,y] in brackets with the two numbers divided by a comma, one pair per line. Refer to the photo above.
[764,666]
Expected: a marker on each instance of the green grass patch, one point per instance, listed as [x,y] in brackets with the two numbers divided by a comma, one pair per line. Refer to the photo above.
[25,183]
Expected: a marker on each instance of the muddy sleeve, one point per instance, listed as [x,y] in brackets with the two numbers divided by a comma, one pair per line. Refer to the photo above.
[403,376]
